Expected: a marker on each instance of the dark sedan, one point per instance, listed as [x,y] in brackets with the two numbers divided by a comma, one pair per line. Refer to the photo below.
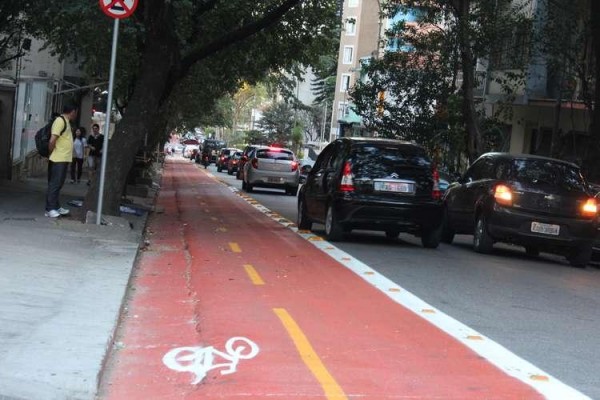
[540,203]
[374,184]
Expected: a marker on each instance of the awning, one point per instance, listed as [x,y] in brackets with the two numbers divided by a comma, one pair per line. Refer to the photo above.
[350,118]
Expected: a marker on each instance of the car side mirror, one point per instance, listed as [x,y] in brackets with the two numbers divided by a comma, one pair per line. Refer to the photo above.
[306,169]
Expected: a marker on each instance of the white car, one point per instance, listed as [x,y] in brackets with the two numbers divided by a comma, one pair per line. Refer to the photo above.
[272,167]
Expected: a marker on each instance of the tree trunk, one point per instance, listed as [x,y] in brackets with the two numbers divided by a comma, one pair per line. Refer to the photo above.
[157,64]
[474,143]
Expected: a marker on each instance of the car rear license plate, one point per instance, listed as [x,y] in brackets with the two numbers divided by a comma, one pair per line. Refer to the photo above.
[547,229]
[273,179]
[399,187]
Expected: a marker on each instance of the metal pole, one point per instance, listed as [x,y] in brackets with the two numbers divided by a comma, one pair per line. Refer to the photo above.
[113,61]
[323,127]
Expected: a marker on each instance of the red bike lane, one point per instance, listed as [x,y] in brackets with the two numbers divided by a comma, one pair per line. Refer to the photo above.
[227,303]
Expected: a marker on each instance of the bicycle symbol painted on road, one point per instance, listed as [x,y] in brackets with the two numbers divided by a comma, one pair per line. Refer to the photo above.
[200,360]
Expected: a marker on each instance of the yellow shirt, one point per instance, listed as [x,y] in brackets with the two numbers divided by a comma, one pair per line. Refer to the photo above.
[63,150]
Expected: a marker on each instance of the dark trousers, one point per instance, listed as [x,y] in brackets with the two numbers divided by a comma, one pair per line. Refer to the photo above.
[58,174]
[76,169]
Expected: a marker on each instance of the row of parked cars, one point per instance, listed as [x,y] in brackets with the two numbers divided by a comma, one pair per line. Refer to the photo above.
[540,203]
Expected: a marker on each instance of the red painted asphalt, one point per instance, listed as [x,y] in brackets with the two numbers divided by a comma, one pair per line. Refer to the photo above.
[191,288]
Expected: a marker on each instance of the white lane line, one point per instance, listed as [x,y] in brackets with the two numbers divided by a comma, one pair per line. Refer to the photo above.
[513,365]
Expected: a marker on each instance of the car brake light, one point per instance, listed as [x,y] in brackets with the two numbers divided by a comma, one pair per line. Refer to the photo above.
[347,183]
[503,195]
[589,208]
[254,163]
[294,166]
[436,193]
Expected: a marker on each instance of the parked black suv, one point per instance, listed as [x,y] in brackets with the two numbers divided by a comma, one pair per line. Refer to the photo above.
[540,203]
[374,184]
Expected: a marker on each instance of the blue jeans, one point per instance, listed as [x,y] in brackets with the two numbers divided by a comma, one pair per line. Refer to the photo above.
[58,174]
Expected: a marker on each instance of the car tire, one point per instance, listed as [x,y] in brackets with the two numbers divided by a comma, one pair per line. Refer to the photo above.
[238,175]
[291,191]
[303,221]
[229,172]
[333,229]
[243,185]
[219,169]
[482,241]
[532,251]
[392,234]
[430,238]
[580,256]
[249,187]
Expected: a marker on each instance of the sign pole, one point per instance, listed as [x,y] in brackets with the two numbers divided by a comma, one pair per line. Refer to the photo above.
[113,61]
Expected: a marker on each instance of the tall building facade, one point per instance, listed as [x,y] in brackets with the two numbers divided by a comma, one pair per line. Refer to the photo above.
[362,30]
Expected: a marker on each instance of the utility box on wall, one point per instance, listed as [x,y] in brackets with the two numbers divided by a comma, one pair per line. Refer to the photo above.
[7,106]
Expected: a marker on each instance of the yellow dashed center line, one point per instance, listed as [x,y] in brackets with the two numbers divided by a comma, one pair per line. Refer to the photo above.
[309,356]
[254,276]
[235,247]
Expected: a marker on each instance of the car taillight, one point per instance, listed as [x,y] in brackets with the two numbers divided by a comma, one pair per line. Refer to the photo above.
[436,193]
[503,195]
[235,161]
[347,183]
[589,208]
[294,166]
[254,163]
[222,158]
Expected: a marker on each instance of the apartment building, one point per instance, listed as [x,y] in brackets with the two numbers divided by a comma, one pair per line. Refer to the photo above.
[546,100]
[359,41]
[40,79]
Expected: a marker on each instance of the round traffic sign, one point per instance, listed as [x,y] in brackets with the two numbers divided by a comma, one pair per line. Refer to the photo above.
[118,8]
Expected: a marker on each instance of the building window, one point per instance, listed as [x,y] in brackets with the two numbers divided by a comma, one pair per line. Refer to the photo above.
[342,109]
[345,84]
[348,54]
[351,26]
[352,3]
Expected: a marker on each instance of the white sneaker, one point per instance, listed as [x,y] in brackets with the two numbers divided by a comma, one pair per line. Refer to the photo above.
[63,211]
[52,214]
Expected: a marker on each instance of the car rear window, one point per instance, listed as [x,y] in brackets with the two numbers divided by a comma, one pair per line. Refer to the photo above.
[397,156]
[275,154]
[540,171]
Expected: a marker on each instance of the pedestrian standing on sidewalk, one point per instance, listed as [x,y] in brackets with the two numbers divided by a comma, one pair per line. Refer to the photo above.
[79,145]
[61,154]
[95,143]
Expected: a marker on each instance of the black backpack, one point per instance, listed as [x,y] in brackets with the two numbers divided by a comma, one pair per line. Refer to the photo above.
[42,137]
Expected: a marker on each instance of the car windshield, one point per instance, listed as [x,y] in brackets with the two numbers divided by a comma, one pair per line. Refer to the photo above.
[275,154]
[412,156]
[540,171]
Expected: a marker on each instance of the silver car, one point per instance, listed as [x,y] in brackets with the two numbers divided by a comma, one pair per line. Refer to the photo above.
[271,167]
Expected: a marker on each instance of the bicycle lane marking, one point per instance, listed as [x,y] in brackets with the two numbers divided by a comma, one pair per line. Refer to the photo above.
[508,362]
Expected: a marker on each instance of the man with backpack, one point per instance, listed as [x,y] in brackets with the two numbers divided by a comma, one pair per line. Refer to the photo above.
[60,148]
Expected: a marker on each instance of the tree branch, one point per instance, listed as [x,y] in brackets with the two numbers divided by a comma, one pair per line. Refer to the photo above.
[234,36]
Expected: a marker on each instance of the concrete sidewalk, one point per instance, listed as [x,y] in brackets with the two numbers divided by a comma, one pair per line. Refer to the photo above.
[62,283]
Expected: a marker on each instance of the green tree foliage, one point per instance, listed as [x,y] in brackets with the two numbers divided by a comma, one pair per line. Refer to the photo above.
[278,122]
[12,31]
[169,47]
[429,83]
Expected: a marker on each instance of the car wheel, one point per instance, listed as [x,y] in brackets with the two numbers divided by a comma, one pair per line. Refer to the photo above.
[392,234]
[292,191]
[303,221]
[243,185]
[237,175]
[219,169]
[249,187]
[482,241]
[580,256]
[532,251]
[430,238]
[333,229]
